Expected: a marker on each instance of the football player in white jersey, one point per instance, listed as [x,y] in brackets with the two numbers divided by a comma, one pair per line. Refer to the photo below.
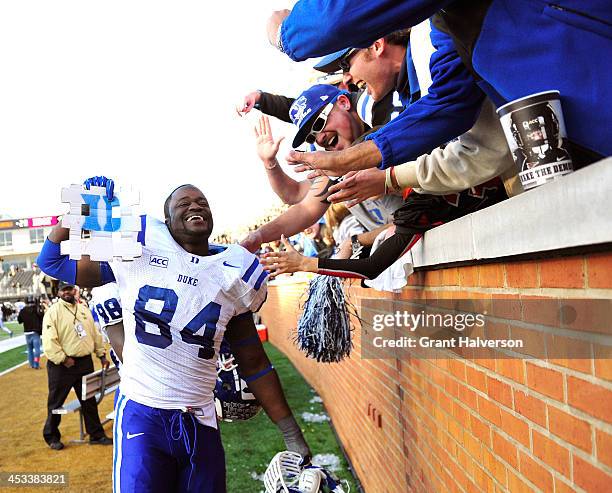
[106,304]
[179,299]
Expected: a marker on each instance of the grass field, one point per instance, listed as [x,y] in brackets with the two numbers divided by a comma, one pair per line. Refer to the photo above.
[13,357]
[15,327]
[249,446]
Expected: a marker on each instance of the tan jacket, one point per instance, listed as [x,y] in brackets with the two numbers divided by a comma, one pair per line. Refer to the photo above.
[60,339]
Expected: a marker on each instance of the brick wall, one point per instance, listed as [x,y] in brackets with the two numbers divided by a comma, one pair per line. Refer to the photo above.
[461,424]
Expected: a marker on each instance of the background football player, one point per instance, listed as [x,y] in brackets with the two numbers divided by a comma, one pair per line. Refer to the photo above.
[179,299]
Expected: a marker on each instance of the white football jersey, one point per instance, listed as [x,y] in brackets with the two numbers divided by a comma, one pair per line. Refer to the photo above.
[176,306]
[106,302]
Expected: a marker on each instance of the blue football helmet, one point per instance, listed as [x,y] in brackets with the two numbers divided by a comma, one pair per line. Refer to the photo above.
[233,399]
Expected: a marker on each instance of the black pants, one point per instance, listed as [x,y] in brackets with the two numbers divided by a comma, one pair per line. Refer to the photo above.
[61,380]
[419,213]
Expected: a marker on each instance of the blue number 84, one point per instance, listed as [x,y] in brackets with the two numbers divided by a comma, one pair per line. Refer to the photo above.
[207,318]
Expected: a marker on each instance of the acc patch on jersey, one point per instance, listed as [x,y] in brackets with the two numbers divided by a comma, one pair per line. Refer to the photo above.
[112,224]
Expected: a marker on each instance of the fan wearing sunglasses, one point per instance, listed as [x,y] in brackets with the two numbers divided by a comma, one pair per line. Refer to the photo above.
[327,117]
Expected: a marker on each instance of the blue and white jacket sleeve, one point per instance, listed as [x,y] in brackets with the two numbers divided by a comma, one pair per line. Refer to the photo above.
[320,27]
[449,109]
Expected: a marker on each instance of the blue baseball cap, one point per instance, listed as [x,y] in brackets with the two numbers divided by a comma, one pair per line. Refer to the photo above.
[331,63]
[308,105]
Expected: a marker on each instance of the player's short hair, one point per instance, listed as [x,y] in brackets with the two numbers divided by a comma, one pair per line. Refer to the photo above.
[167,202]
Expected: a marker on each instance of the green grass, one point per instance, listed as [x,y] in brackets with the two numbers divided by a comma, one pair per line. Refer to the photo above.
[250,445]
[13,357]
[14,326]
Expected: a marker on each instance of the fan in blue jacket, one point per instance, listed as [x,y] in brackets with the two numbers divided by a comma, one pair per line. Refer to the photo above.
[513,47]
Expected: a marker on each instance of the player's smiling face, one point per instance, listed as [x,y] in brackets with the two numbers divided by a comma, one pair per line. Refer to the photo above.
[189,214]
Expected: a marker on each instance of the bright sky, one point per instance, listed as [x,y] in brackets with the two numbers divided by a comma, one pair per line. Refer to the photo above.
[139,91]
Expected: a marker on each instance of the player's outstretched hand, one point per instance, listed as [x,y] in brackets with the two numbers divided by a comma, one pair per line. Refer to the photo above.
[336,163]
[250,100]
[288,261]
[267,147]
[358,186]
[101,181]
[319,163]
[252,242]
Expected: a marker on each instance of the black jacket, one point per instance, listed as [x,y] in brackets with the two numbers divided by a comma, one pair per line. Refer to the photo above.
[31,316]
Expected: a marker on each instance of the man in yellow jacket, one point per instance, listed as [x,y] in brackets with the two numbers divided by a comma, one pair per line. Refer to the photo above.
[69,338]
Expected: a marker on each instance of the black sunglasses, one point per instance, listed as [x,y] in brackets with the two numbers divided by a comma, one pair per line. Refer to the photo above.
[344,64]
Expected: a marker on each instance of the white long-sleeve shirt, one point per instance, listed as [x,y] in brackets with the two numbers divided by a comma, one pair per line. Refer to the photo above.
[473,158]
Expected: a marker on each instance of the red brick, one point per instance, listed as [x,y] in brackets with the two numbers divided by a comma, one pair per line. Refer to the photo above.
[531,408]
[496,331]
[433,278]
[561,487]
[457,368]
[568,352]
[551,453]
[604,447]
[481,430]
[545,380]
[565,272]
[490,411]
[533,341]
[603,361]
[486,357]
[541,310]
[599,269]
[571,429]
[476,378]
[468,397]
[515,427]
[473,446]
[499,391]
[522,274]
[483,480]
[591,478]
[416,279]
[456,431]
[495,467]
[592,399]
[468,276]
[512,368]
[586,315]
[491,275]
[506,306]
[517,485]
[461,415]
[535,473]
[450,277]
[505,449]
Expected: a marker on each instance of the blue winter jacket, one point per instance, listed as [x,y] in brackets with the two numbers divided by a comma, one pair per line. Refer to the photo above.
[524,47]
[449,109]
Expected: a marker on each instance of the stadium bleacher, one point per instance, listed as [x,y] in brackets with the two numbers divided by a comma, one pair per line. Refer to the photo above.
[17,286]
